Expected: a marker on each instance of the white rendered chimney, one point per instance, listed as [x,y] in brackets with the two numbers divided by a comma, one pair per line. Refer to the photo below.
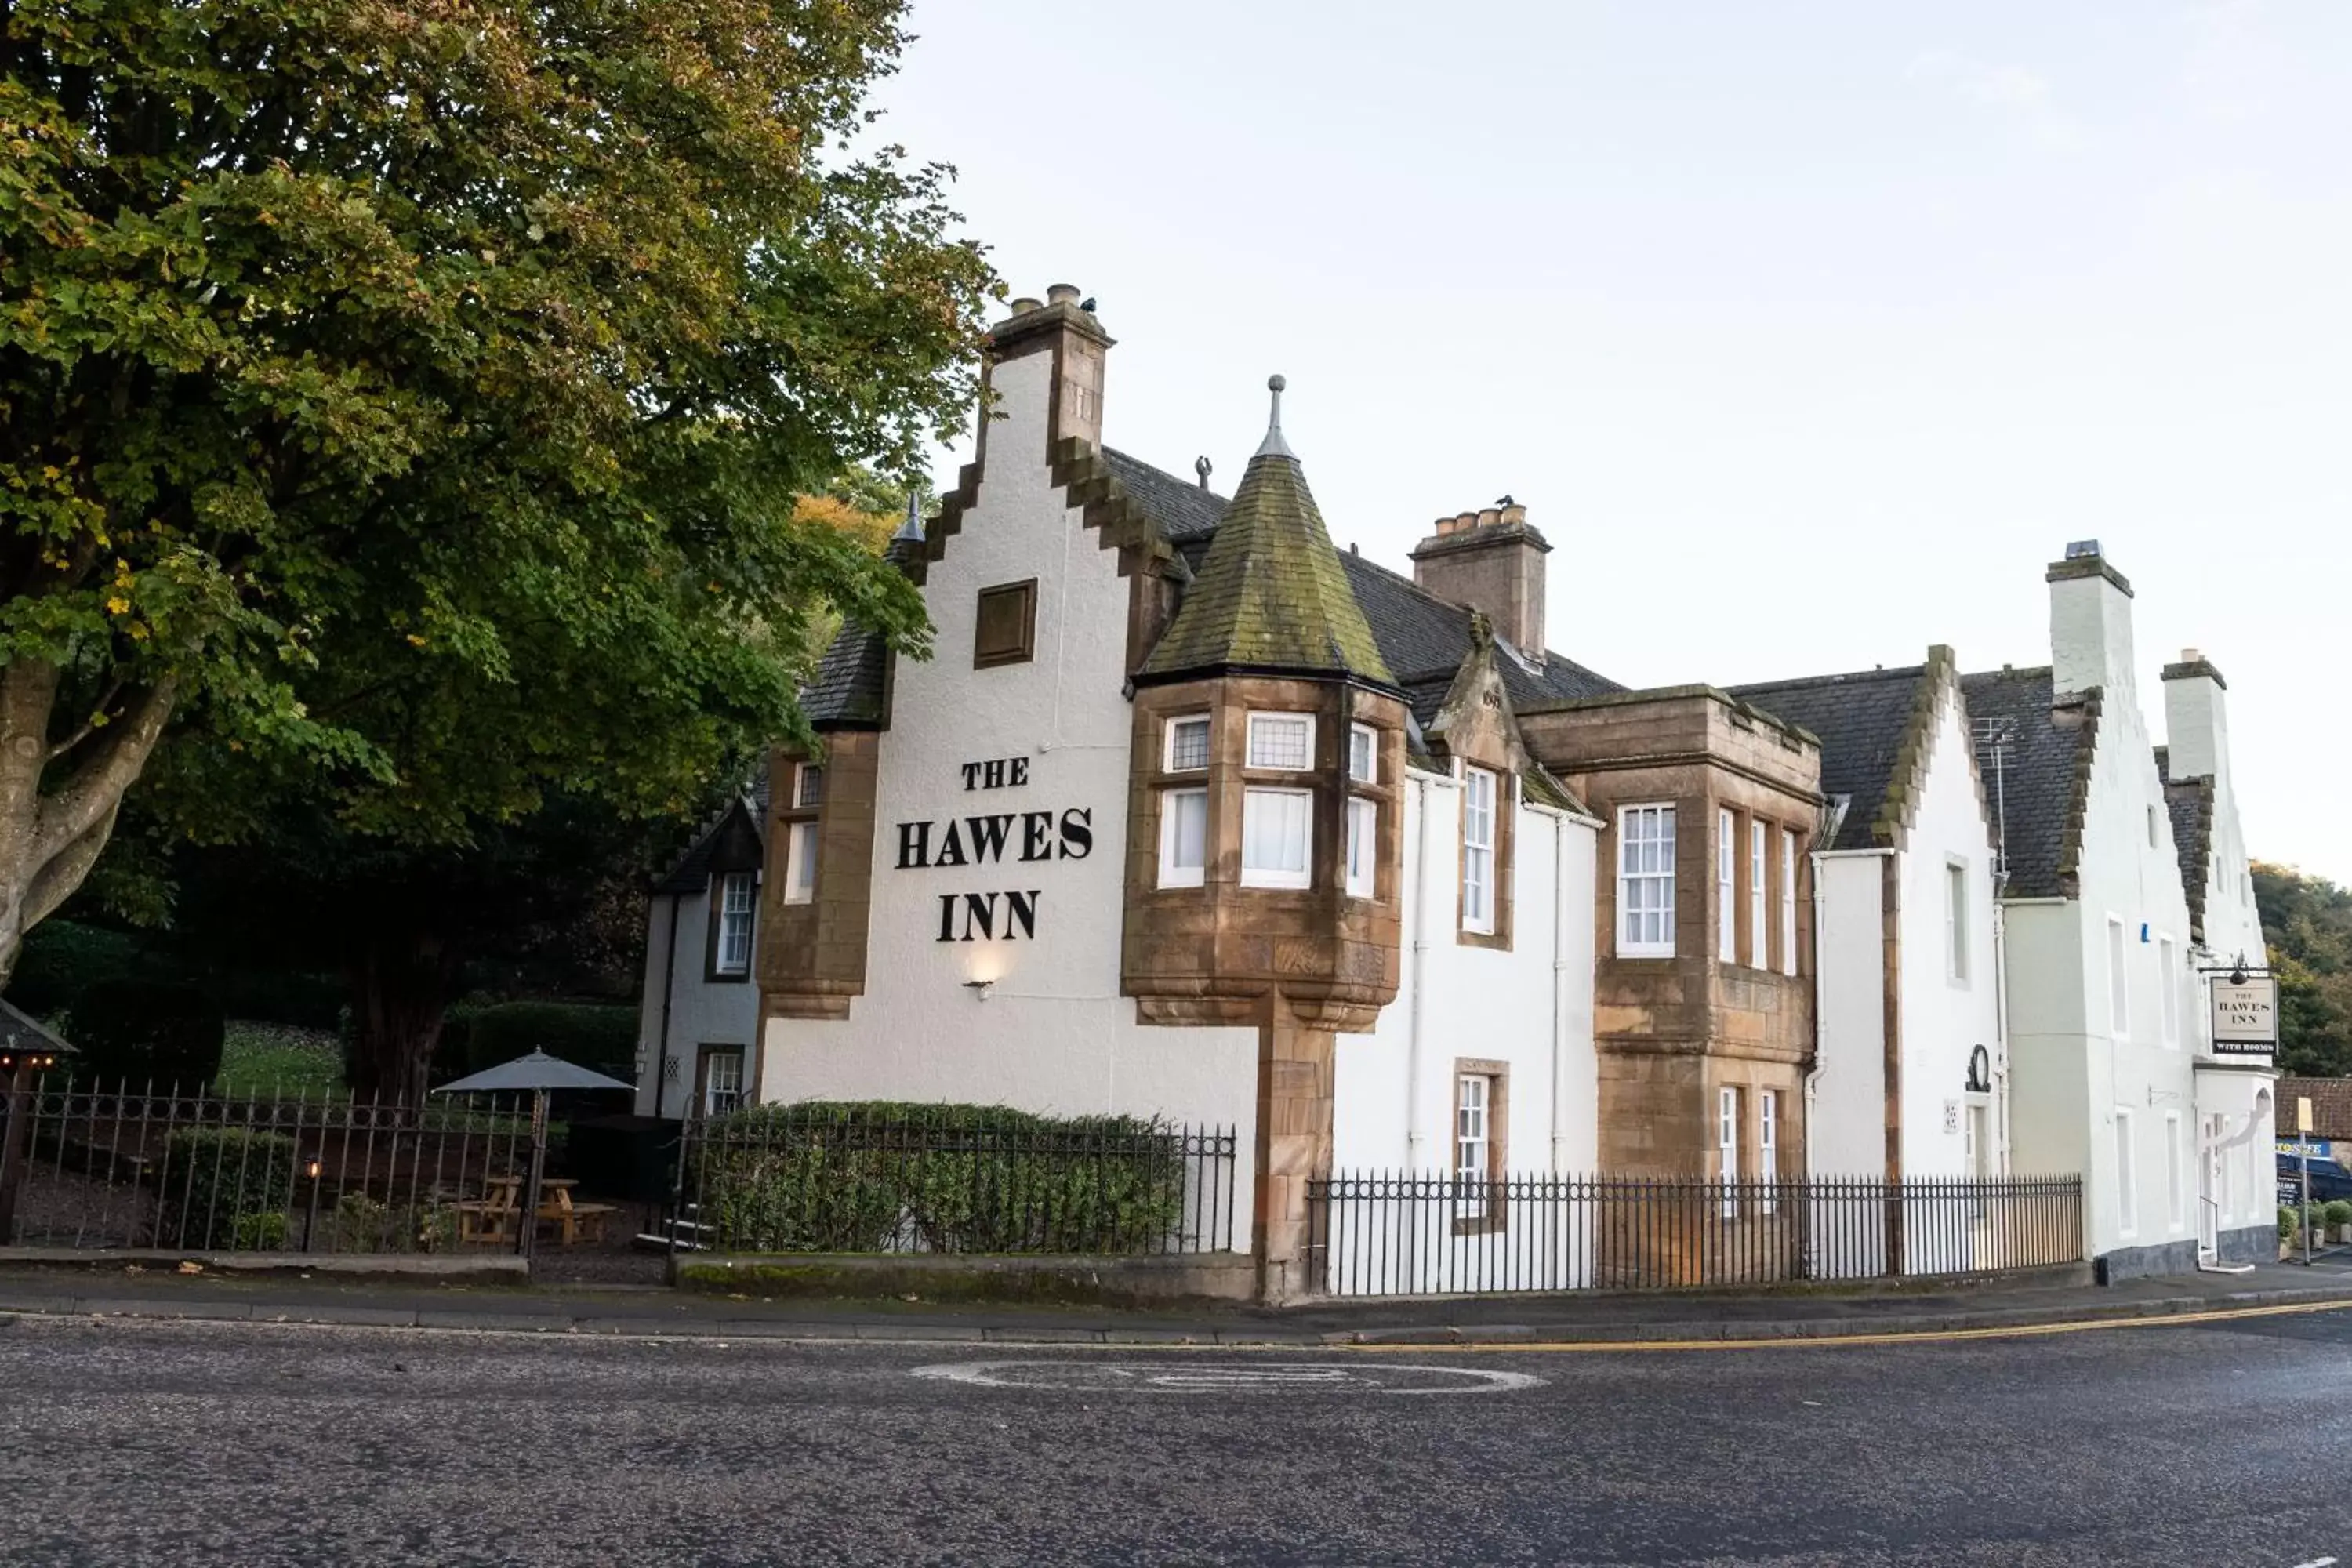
[2196,719]
[2090,623]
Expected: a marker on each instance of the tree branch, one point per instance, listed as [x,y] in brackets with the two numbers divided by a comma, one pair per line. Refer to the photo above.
[55,883]
[95,787]
[91,725]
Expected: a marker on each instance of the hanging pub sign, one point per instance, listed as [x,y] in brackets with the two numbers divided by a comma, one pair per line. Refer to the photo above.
[2245,1015]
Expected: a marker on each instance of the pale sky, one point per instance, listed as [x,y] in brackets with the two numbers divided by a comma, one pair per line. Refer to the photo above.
[1809,333]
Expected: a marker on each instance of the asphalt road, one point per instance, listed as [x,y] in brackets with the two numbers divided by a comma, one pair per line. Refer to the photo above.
[184,1444]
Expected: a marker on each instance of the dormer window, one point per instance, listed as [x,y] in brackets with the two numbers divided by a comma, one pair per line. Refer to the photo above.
[1284,742]
[1187,744]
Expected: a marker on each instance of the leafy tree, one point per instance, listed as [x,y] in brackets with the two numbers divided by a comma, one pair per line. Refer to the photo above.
[410,402]
[2308,925]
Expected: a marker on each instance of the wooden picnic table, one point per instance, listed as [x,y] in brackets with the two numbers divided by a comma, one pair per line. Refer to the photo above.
[493,1217]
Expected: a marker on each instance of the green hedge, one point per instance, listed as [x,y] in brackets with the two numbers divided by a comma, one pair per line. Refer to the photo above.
[834,1176]
[145,1032]
[601,1036]
[217,1185]
[2337,1210]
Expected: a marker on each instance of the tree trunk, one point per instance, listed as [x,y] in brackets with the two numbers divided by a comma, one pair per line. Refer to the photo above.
[52,828]
[399,985]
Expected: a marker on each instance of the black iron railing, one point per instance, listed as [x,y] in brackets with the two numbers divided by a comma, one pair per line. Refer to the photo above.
[951,1179]
[151,1167]
[1390,1233]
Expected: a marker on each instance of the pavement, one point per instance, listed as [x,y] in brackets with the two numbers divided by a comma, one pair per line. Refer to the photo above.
[2223,1443]
[1592,1317]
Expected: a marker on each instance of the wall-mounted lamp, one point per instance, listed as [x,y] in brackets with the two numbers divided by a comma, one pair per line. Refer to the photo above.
[980,988]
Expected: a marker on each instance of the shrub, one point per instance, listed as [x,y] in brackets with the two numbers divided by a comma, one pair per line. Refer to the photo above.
[2338,1212]
[214,1180]
[876,1176]
[260,1232]
[62,960]
[363,1224]
[2286,1223]
[143,1031]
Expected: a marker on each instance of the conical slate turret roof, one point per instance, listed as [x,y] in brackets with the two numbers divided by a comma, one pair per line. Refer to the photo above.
[1271,593]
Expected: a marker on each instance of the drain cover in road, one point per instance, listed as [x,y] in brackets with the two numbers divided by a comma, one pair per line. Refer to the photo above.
[1229,1377]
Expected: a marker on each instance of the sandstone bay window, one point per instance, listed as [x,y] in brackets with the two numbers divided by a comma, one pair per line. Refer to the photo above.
[1727,890]
[1478,794]
[1758,889]
[1788,901]
[1646,881]
[734,897]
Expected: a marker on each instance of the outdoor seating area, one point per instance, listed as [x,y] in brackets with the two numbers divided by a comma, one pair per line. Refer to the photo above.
[493,1217]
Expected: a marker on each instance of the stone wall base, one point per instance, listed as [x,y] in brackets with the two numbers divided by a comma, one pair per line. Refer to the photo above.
[962,1277]
[2254,1243]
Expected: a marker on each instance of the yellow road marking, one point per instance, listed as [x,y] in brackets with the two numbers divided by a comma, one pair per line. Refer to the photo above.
[1907,1337]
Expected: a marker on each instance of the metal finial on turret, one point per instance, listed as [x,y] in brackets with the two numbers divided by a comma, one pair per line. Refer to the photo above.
[911,531]
[1273,446]
[1201,466]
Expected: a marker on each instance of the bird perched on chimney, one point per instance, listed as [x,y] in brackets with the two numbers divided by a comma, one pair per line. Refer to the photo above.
[1507,501]
[1087,304]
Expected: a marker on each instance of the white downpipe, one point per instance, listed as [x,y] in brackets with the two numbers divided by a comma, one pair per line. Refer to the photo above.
[2000,1035]
[1415,1134]
[1558,1000]
[1813,1073]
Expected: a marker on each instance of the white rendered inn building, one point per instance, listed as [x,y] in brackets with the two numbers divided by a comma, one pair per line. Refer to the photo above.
[1192,815]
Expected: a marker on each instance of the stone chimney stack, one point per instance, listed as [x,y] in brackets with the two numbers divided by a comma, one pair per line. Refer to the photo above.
[2195,721]
[1489,560]
[2090,623]
[1063,327]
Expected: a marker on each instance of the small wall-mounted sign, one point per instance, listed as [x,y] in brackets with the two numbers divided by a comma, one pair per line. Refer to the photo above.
[2245,1015]
[1951,1116]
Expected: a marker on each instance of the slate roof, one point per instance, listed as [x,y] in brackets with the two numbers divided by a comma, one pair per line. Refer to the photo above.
[2331,1105]
[1421,638]
[1425,640]
[692,872]
[1270,593]
[2040,795]
[1861,720]
[1183,510]
[2189,804]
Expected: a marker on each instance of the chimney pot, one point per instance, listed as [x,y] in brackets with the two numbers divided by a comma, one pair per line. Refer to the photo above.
[2190,656]
[1025,304]
[1062,294]
[1514,513]
[1489,516]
